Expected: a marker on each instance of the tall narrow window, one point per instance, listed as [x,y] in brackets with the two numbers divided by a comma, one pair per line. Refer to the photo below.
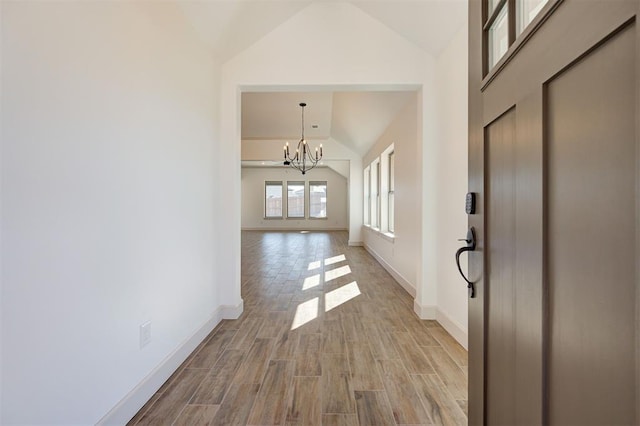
[374,197]
[318,200]
[295,200]
[367,196]
[390,201]
[273,199]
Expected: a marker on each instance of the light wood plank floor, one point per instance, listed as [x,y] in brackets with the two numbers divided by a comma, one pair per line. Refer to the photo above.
[327,337]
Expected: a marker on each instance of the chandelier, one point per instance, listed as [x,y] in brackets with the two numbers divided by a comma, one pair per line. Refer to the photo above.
[304,158]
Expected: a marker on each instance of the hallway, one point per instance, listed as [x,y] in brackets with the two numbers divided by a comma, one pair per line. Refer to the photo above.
[326,337]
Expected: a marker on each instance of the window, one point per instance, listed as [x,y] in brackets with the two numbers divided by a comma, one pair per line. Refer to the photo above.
[295,199]
[528,9]
[390,204]
[374,197]
[367,196]
[379,190]
[506,19]
[318,200]
[498,37]
[273,200]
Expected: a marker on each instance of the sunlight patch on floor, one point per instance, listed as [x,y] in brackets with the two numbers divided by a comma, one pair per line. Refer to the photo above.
[310,282]
[305,312]
[336,273]
[334,259]
[314,265]
[341,295]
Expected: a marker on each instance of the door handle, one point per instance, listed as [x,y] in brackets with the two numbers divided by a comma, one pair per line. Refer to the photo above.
[471,246]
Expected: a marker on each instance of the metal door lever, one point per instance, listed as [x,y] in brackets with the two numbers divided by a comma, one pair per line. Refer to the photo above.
[471,246]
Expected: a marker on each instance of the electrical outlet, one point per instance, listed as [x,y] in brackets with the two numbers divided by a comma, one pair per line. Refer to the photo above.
[145,334]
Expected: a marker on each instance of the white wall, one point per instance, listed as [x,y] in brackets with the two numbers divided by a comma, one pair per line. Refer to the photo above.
[343,48]
[108,220]
[400,255]
[253,179]
[452,95]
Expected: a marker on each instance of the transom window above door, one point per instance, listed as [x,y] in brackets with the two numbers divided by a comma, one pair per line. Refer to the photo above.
[504,22]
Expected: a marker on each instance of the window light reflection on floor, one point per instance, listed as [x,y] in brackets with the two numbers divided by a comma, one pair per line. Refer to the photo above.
[305,312]
[310,282]
[314,265]
[341,295]
[336,273]
[334,259]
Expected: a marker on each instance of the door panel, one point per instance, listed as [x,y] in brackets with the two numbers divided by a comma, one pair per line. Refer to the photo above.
[500,190]
[554,158]
[591,157]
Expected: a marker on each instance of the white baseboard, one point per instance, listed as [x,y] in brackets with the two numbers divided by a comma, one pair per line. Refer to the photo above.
[454,329]
[135,400]
[232,311]
[424,312]
[356,243]
[409,288]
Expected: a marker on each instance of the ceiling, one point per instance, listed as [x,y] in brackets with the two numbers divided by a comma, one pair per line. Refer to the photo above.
[355,119]
[231,26]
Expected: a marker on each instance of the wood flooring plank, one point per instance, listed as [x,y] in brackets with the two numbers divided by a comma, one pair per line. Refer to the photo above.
[442,408]
[273,325]
[308,362]
[246,334]
[215,385]
[207,356]
[196,415]
[453,348]
[255,363]
[167,407]
[237,405]
[381,344]
[390,320]
[404,399]
[373,408]
[449,372]
[333,337]
[337,394]
[282,302]
[304,408]
[353,328]
[420,333]
[412,356]
[286,345]
[364,371]
[270,405]
[339,420]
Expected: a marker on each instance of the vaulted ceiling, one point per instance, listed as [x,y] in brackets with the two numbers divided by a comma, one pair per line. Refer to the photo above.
[355,119]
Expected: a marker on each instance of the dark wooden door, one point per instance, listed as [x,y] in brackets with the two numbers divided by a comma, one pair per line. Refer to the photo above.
[554,156]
